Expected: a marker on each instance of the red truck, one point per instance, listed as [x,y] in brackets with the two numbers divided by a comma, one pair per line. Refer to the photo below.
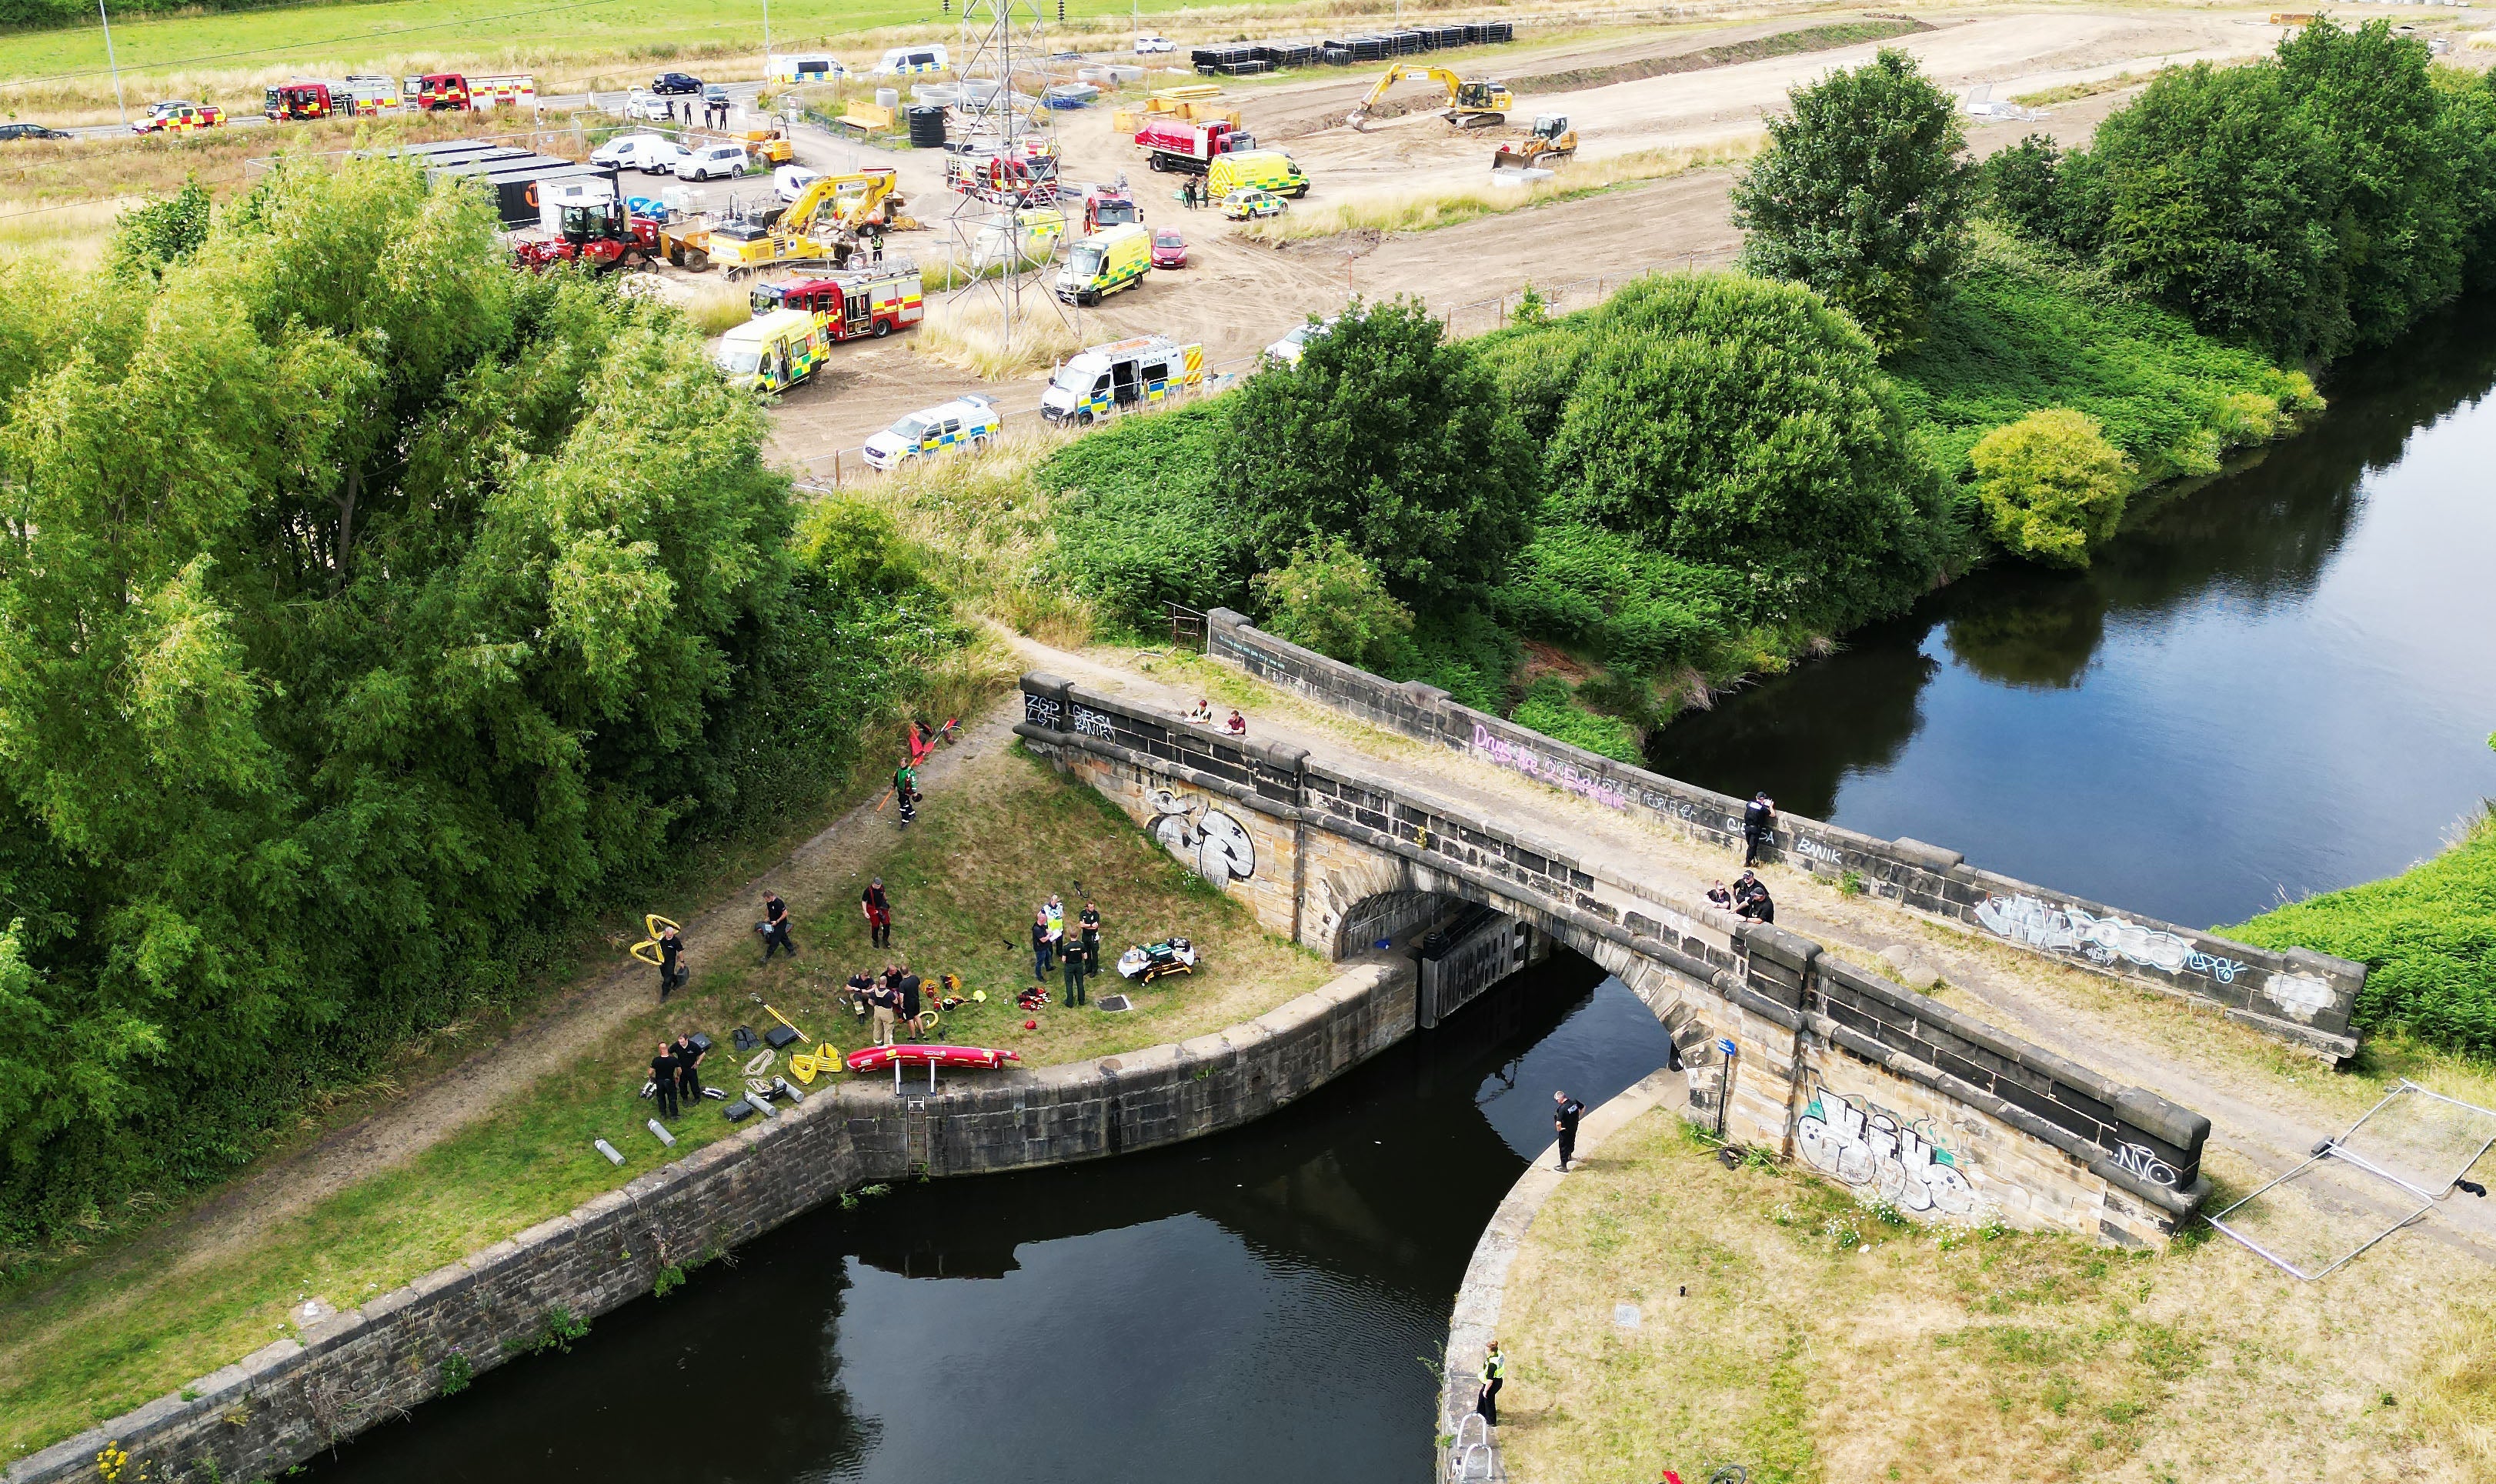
[1189,149]
[851,306]
[1106,208]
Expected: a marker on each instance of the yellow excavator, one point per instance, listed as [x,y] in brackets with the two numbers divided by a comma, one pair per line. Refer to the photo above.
[820,226]
[1472,103]
[1551,142]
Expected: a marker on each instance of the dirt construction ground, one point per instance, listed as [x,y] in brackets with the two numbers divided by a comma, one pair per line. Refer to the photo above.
[1237,296]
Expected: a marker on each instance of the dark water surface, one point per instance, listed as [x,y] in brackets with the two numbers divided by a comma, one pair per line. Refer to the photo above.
[1247,1308]
[2281,682]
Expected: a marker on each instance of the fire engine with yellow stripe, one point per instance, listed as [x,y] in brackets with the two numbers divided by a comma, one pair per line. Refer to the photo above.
[856,304]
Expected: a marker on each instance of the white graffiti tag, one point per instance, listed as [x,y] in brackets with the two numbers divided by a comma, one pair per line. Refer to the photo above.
[1216,845]
[2027,919]
[1869,1148]
[1040,710]
[2137,1159]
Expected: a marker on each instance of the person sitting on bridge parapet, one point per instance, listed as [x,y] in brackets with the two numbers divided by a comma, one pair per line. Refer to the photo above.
[1720,898]
[1237,725]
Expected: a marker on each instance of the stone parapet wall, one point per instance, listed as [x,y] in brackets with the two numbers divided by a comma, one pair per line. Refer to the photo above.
[285,1403]
[2301,995]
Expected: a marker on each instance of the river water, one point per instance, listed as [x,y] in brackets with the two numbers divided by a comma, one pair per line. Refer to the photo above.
[2278,683]
[1239,1309]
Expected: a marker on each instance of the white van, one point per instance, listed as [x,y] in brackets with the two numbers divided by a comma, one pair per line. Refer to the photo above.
[648,152]
[802,67]
[713,162]
[901,61]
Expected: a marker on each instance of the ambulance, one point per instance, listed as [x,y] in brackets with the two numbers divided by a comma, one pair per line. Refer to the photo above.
[1146,371]
[774,352]
[1104,262]
[1256,169]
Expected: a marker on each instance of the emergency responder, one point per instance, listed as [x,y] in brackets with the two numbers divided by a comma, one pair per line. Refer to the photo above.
[1494,1375]
[905,788]
[672,943]
[775,927]
[1564,1113]
[882,998]
[1043,945]
[688,1058]
[1076,969]
[908,989]
[878,912]
[662,1077]
[1751,899]
[1090,922]
[1758,823]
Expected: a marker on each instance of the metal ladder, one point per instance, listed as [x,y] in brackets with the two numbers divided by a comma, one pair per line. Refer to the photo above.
[1472,1461]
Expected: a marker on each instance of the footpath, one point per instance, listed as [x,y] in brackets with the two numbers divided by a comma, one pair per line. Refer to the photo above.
[2269,1103]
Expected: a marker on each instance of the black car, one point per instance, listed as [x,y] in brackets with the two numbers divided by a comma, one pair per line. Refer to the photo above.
[10,132]
[668,82]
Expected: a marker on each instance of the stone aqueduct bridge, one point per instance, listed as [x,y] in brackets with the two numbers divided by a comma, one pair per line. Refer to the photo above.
[1788,1046]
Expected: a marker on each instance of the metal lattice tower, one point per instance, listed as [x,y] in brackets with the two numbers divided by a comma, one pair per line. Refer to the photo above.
[1000,62]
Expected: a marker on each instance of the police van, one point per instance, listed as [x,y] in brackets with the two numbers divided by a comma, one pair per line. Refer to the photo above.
[1146,371]
[965,423]
[903,61]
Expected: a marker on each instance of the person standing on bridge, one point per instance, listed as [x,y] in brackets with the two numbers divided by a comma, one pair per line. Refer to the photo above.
[1564,1113]
[1758,825]
[1494,1375]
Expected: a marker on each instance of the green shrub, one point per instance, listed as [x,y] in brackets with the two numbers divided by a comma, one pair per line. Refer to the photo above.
[1138,521]
[2052,487]
[1551,708]
[1331,599]
[2427,937]
[1862,195]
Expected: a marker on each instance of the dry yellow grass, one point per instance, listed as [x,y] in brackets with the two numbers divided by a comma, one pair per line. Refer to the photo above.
[1424,210]
[1766,1336]
[970,335]
[983,528]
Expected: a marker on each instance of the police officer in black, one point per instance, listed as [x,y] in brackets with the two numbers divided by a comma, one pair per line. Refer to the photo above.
[1758,823]
[671,946]
[775,927]
[663,1072]
[688,1058]
[908,989]
[1076,969]
[1564,1113]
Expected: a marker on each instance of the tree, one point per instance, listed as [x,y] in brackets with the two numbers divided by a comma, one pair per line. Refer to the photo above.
[148,238]
[2022,188]
[1739,423]
[1393,438]
[1331,599]
[2052,487]
[1861,194]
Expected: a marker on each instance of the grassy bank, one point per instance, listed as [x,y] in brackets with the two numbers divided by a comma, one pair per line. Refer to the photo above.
[105,1334]
[1782,1326]
[1426,211]
[2427,937]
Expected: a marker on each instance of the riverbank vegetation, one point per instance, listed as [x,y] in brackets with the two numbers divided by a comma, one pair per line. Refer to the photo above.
[2427,937]
[372,618]
[1773,1322]
[137,1318]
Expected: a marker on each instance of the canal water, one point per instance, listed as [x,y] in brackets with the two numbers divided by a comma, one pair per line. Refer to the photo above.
[1254,1306]
[2278,683]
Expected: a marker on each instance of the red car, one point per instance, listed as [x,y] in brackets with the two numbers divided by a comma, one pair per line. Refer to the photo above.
[1169,249]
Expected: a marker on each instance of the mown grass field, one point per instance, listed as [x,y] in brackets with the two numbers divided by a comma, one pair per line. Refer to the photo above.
[1786,1328]
[101,1336]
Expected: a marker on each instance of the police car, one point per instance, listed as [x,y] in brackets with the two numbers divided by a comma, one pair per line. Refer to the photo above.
[967,421]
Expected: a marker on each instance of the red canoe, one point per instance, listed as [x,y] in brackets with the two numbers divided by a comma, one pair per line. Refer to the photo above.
[878,1058]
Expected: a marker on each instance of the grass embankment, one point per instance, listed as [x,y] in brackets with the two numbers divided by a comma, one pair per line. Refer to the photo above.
[2427,937]
[90,1342]
[1767,1336]
[1427,210]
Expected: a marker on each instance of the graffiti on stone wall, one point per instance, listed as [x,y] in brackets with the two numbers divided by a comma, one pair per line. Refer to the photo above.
[1040,710]
[2300,994]
[1217,846]
[2138,1160]
[1558,772]
[1090,723]
[1883,1156]
[2023,918]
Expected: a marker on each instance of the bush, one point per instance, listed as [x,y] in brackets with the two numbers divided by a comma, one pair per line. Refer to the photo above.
[1391,437]
[2427,937]
[1139,522]
[1551,708]
[1331,599]
[2052,487]
[1861,194]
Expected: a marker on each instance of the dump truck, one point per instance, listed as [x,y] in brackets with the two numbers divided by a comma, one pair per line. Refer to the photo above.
[1189,149]
[1551,142]
[1472,103]
[1146,371]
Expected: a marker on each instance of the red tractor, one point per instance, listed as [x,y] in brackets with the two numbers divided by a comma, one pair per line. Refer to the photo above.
[601,234]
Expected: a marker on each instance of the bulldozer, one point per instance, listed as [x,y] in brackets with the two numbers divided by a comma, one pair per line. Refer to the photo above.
[1472,103]
[1551,142]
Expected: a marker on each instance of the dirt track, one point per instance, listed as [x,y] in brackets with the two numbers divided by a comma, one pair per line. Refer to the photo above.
[1236,297]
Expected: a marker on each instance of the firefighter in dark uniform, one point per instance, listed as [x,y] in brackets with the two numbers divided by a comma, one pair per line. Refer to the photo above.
[775,927]
[688,1079]
[663,1072]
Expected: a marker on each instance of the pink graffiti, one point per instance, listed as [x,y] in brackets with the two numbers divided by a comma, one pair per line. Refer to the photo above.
[1555,771]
